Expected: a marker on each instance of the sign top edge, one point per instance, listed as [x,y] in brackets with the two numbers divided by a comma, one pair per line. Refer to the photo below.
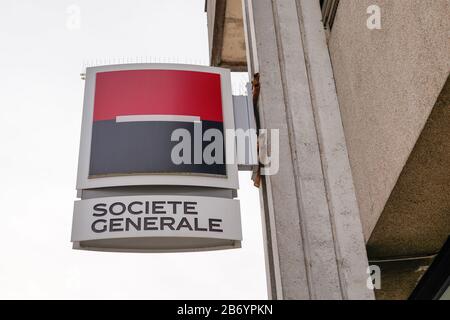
[157,66]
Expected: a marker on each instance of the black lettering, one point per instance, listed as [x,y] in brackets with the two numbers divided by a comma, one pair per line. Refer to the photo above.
[215,223]
[170,223]
[94,224]
[158,205]
[174,204]
[196,227]
[190,206]
[123,208]
[149,222]
[130,207]
[115,225]
[100,207]
[136,225]
[184,223]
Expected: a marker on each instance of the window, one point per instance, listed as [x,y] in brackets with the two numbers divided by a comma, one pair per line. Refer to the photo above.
[435,283]
[329,8]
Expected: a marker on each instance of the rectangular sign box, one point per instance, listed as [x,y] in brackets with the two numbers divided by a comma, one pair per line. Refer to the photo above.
[156,224]
[132,119]
[161,128]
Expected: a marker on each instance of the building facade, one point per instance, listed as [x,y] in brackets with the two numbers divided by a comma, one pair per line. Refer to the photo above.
[360,92]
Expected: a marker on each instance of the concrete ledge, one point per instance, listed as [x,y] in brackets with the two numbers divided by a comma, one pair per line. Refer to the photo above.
[226,34]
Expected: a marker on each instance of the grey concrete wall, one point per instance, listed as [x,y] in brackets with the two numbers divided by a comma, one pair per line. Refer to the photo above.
[387,81]
[314,243]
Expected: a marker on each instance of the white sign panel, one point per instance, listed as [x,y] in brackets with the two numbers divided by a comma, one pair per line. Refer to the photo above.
[161,223]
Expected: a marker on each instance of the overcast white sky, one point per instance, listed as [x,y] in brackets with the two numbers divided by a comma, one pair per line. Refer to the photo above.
[41,94]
